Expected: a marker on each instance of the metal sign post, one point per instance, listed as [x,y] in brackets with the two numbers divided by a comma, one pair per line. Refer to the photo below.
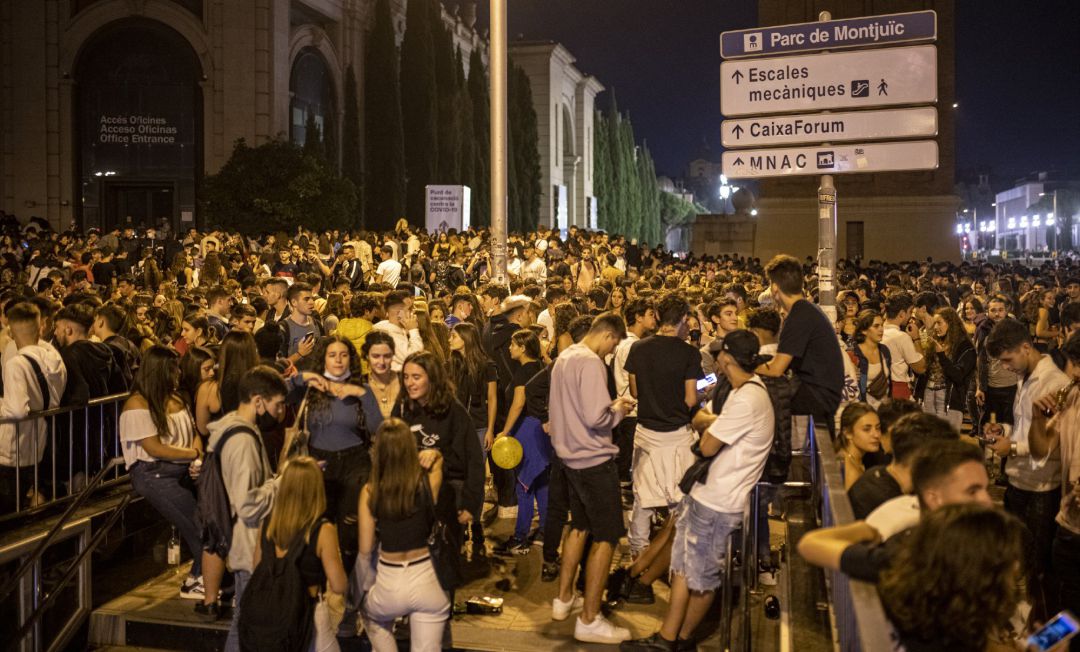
[497,272]
[826,258]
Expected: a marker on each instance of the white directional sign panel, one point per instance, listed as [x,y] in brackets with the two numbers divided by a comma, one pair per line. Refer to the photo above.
[836,80]
[919,122]
[831,159]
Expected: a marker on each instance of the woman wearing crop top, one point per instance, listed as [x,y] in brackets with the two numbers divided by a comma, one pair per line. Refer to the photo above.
[298,509]
[157,435]
[396,508]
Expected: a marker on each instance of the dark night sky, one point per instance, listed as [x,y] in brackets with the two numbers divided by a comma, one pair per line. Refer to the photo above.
[1018,73]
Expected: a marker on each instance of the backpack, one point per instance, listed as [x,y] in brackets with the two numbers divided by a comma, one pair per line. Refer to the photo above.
[213,514]
[277,614]
[780,391]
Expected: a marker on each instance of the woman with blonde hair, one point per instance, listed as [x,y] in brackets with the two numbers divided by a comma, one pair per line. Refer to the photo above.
[399,502]
[297,520]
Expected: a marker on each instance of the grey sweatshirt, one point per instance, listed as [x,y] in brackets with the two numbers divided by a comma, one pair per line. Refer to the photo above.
[580,409]
[245,469]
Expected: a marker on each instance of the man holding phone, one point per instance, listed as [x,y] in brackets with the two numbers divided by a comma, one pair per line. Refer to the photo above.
[303,326]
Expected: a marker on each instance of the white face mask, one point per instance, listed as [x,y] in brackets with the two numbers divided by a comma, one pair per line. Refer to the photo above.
[338,379]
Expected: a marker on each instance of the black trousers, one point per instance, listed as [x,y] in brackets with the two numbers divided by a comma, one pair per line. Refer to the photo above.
[999,401]
[624,439]
[1066,570]
[346,473]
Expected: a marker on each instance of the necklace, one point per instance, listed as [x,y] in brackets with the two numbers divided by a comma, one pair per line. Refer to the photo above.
[382,389]
[854,460]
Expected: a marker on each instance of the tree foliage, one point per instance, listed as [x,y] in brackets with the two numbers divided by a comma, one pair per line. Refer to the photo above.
[523,153]
[351,156]
[419,107]
[277,185]
[384,153]
[481,139]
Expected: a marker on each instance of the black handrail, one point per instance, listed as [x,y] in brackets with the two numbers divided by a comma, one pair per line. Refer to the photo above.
[40,414]
[34,556]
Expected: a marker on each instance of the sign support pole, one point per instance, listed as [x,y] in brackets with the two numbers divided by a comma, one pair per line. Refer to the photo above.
[497,100]
[826,258]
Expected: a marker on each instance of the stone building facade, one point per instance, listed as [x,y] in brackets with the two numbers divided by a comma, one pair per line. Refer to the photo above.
[111,109]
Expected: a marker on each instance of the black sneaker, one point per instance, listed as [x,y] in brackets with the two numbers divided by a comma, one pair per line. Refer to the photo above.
[639,593]
[685,645]
[512,546]
[550,571]
[654,643]
[210,612]
[618,583]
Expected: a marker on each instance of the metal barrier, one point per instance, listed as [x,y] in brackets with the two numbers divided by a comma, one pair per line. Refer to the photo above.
[55,452]
[860,621]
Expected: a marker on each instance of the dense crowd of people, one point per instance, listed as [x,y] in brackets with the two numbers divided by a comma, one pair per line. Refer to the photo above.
[323,407]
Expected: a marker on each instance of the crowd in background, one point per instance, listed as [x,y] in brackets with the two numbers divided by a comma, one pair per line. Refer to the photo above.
[633,380]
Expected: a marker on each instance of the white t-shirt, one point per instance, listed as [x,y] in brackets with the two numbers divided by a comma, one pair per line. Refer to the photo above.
[136,425]
[745,426]
[389,272]
[903,352]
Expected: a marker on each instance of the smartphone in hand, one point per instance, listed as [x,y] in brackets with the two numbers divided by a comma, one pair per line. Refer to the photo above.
[1061,628]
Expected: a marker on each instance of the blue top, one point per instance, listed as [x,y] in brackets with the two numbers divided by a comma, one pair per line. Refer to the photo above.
[372,415]
[344,428]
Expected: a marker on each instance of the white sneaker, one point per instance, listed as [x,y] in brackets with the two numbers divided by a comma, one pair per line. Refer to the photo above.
[192,588]
[561,610]
[600,630]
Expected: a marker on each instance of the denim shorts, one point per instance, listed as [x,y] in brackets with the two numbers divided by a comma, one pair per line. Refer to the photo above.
[701,536]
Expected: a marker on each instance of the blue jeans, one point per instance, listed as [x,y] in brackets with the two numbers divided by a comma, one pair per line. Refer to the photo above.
[170,490]
[700,544]
[232,643]
[538,490]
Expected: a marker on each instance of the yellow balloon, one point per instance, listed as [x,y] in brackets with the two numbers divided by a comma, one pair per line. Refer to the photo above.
[506,452]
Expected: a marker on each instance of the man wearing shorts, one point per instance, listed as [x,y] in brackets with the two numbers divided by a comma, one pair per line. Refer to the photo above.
[738,440]
[582,417]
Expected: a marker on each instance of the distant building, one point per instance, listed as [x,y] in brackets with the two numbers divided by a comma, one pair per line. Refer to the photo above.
[1031,215]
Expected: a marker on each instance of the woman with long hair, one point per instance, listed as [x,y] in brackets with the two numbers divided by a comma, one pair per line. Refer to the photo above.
[180,270]
[337,424]
[435,340]
[942,593]
[383,383]
[297,520]
[956,355]
[973,315]
[441,422]
[195,331]
[218,395]
[860,433]
[872,358]
[333,311]
[397,507]
[197,367]
[157,436]
[525,350]
[616,300]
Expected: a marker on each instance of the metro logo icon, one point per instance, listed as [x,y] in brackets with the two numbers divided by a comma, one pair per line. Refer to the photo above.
[752,42]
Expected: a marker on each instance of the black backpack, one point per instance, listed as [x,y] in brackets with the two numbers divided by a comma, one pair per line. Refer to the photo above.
[780,391]
[276,610]
[213,515]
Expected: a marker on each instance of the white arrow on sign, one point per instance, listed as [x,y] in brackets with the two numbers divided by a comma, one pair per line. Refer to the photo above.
[919,122]
[831,159]
[837,80]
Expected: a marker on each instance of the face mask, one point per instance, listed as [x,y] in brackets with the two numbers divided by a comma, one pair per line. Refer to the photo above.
[337,379]
[266,422]
[695,335]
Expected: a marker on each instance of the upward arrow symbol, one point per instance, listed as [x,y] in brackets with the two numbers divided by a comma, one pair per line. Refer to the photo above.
[737,76]
[737,130]
[737,161]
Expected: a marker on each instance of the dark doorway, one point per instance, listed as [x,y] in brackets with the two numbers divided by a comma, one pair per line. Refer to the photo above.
[139,126]
[135,204]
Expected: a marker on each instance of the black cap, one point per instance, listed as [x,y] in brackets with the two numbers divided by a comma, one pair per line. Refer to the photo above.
[742,345]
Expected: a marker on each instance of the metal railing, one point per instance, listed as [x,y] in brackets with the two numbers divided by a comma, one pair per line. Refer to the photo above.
[860,621]
[50,455]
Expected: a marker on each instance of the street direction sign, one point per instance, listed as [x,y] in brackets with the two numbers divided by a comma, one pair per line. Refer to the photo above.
[918,122]
[831,159]
[889,29]
[840,80]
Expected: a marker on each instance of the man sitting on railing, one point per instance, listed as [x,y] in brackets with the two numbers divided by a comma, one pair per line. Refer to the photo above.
[34,380]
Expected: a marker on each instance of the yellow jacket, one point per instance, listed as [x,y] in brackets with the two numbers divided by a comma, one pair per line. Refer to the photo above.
[356,330]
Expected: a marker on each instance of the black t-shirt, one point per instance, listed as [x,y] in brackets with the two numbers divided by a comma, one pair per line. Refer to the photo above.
[866,561]
[661,365]
[809,338]
[473,395]
[103,273]
[872,489]
[522,375]
[537,390]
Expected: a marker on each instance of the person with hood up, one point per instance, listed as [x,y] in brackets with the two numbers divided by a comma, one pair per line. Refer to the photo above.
[34,380]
